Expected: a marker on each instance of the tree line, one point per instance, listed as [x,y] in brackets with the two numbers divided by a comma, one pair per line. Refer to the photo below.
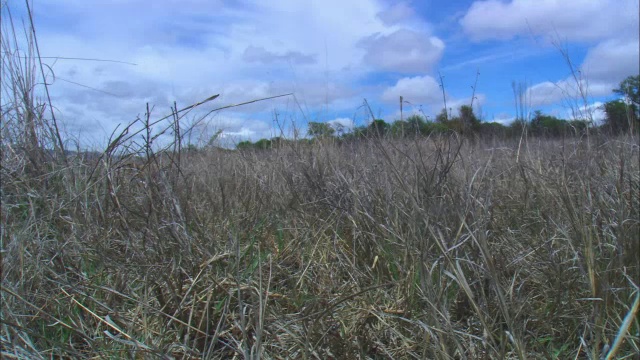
[621,116]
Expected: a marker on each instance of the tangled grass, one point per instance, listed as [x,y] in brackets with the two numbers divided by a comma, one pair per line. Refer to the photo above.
[434,247]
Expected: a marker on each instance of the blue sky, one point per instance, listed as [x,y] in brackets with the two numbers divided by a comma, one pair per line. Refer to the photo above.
[330,54]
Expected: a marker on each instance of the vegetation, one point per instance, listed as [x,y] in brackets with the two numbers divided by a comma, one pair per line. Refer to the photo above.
[629,89]
[621,117]
[403,244]
[317,129]
[394,248]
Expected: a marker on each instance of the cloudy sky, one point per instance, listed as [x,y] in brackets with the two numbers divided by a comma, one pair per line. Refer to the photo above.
[331,55]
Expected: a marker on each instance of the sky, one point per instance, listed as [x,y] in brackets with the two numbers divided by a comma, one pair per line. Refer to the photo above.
[329,55]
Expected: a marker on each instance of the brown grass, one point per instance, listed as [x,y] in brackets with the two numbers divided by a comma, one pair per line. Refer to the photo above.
[432,248]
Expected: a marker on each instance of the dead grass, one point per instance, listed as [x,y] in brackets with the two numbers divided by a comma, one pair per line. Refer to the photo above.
[432,248]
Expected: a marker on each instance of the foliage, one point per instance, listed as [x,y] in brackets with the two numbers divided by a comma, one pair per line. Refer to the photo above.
[630,89]
[320,130]
[191,148]
[579,126]
[517,127]
[442,117]
[378,127]
[468,119]
[547,125]
[620,117]
[416,124]
[244,145]
[493,129]
[399,129]
[263,144]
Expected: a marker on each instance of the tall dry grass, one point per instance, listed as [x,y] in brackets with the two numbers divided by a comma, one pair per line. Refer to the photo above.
[432,248]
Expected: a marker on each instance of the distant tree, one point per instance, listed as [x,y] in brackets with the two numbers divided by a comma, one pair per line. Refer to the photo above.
[620,117]
[191,148]
[262,144]
[399,128]
[415,124]
[277,142]
[442,117]
[244,145]
[378,127]
[547,125]
[357,133]
[468,119]
[630,89]
[430,127]
[493,129]
[412,126]
[578,127]
[319,130]
[517,127]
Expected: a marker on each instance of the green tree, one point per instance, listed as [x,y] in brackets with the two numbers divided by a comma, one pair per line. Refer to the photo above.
[517,127]
[244,145]
[547,125]
[399,128]
[278,142]
[431,127]
[319,130]
[620,117]
[415,124]
[262,144]
[630,89]
[191,148]
[378,127]
[493,129]
[442,117]
[468,119]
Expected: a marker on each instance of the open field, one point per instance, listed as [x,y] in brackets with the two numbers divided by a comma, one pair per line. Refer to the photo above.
[432,248]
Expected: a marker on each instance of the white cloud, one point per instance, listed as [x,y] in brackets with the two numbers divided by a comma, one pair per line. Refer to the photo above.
[612,61]
[567,91]
[417,90]
[478,101]
[396,13]
[342,123]
[237,127]
[581,20]
[604,67]
[425,91]
[545,93]
[503,118]
[261,55]
[404,51]
[594,111]
[188,51]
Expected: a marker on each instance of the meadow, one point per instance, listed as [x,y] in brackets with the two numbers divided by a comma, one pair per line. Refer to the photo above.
[440,247]
[431,246]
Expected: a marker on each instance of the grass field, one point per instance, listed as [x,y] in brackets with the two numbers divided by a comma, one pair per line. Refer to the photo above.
[427,247]
[439,247]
